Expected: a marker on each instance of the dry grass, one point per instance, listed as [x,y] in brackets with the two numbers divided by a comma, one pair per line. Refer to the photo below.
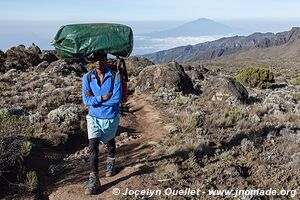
[169,171]
[296,96]
[296,81]
[259,110]
[284,118]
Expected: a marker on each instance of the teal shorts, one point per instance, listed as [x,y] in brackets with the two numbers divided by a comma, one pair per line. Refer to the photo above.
[104,129]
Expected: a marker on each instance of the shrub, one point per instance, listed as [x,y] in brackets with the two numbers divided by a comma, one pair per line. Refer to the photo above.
[2,61]
[12,125]
[10,154]
[198,119]
[14,129]
[184,122]
[232,117]
[256,77]
[25,148]
[32,181]
[296,81]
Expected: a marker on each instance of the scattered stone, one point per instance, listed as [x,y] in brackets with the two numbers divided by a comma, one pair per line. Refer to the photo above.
[232,100]
[124,135]
[10,74]
[61,67]
[42,66]
[231,171]
[133,137]
[15,110]
[255,118]
[285,131]
[247,145]
[56,170]
[224,154]
[296,159]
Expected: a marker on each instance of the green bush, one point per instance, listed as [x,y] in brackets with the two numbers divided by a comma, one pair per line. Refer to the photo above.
[32,181]
[25,148]
[256,77]
[10,155]
[14,125]
[296,81]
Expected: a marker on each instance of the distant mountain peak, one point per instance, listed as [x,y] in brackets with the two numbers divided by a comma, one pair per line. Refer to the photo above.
[198,27]
[203,19]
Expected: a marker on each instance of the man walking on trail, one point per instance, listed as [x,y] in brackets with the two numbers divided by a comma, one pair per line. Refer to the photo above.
[102,92]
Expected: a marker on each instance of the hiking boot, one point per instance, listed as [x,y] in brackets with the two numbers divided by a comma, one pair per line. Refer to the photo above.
[93,184]
[110,167]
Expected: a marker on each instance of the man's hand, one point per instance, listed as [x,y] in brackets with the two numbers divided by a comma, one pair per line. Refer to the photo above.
[89,93]
[107,96]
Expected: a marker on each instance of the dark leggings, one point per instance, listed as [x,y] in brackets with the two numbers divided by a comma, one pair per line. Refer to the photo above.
[94,152]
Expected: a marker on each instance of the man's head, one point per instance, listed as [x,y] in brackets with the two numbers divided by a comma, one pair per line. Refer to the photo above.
[100,61]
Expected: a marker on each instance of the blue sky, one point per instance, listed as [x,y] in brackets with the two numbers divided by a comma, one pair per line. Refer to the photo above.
[141,10]
[27,21]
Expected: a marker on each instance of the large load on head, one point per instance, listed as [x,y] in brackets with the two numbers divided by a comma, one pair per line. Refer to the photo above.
[80,40]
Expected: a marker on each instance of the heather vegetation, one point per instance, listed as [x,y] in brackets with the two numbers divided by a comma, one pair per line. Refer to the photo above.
[256,77]
[187,124]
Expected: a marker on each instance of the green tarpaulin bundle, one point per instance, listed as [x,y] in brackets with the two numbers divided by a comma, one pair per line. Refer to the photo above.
[83,39]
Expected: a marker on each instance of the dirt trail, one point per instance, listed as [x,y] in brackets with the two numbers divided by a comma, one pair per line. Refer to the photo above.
[144,122]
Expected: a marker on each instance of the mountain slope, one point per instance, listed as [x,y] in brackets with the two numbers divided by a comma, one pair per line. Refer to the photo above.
[199,27]
[289,50]
[225,46]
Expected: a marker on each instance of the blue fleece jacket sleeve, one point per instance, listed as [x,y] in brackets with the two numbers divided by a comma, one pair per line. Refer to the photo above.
[88,100]
[117,92]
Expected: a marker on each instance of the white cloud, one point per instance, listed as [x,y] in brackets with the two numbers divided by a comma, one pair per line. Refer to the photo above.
[143,45]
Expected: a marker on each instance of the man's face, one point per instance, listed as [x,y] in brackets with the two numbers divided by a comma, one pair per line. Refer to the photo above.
[100,63]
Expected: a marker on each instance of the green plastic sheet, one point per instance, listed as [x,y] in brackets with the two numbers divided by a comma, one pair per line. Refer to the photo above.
[83,39]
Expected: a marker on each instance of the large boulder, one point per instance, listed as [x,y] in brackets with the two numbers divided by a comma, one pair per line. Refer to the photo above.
[21,58]
[48,56]
[64,68]
[225,89]
[170,76]
[136,64]
[195,75]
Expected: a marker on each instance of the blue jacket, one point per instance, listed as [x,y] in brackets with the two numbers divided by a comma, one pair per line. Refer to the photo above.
[97,108]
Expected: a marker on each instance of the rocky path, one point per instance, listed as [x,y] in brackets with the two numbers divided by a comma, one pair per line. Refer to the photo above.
[141,129]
